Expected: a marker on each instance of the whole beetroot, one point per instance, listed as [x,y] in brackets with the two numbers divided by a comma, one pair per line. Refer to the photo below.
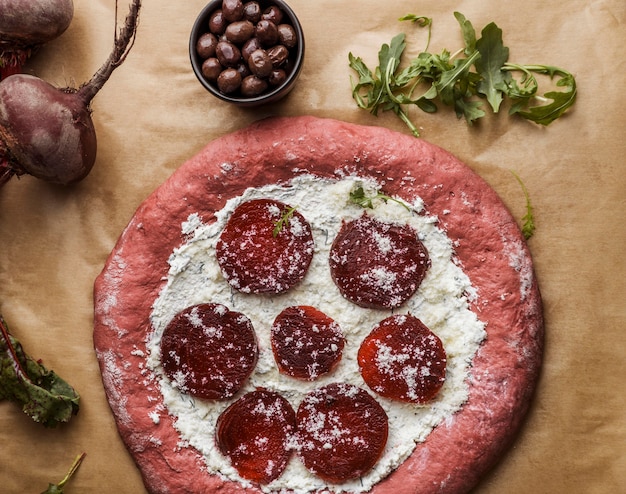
[25,25]
[47,131]
[44,131]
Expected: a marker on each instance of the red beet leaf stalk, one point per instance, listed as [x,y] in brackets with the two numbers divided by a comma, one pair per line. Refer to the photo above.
[25,25]
[48,132]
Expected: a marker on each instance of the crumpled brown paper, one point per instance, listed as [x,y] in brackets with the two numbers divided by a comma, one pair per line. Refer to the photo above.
[153,115]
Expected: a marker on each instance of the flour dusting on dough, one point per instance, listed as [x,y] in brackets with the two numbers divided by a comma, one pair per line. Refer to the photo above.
[520,262]
[113,382]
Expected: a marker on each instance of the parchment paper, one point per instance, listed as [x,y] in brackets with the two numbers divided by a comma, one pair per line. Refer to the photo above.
[153,115]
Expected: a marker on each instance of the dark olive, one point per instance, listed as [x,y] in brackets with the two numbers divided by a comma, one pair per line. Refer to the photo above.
[249,46]
[273,14]
[205,47]
[267,32]
[278,54]
[252,11]
[287,35]
[228,54]
[217,22]
[289,65]
[211,68]
[229,80]
[253,86]
[244,70]
[233,10]
[277,77]
[260,63]
[239,32]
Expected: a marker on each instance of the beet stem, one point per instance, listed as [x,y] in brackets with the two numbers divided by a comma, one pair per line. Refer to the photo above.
[11,61]
[17,366]
[6,71]
[123,42]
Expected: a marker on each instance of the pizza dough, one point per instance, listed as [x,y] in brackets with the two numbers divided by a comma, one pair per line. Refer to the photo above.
[487,243]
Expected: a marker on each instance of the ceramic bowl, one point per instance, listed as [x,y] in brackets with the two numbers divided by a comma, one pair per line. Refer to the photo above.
[292,67]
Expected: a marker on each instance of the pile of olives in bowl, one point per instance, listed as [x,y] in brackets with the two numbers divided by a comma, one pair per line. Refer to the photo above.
[247,52]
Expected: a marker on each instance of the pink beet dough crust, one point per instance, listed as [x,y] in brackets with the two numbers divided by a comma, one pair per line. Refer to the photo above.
[488,246]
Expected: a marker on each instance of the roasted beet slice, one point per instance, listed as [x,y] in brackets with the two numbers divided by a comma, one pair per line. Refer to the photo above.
[376,264]
[255,433]
[342,432]
[209,351]
[266,247]
[306,342]
[403,360]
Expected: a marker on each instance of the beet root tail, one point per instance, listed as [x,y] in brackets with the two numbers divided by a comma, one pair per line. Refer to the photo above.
[123,42]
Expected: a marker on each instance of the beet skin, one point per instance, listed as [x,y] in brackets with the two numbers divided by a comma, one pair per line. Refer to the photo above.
[47,133]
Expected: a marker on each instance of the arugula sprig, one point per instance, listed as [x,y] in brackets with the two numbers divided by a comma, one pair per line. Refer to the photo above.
[283,221]
[528,220]
[548,107]
[359,197]
[478,71]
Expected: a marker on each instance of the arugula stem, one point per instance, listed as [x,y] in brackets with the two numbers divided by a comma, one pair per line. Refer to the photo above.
[457,53]
[422,21]
[405,118]
[58,488]
[77,462]
[528,225]
[418,80]
[389,70]
[540,69]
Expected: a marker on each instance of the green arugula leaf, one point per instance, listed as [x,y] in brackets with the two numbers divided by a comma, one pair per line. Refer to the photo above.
[389,60]
[358,197]
[469,34]
[380,89]
[379,86]
[470,110]
[41,393]
[366,79]
[389,54]
[493,55]
[426,105]
[365,74]
[449,79]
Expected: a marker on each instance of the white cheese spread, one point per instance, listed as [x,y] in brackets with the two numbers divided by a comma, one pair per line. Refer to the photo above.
[441,302]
